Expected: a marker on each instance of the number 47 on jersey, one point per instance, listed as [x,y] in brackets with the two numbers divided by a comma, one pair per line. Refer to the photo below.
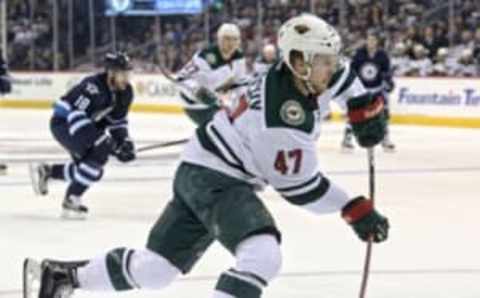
[288,162]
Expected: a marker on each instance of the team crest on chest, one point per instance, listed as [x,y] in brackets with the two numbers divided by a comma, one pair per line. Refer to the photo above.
[211,58]
[292,113]
[369,71]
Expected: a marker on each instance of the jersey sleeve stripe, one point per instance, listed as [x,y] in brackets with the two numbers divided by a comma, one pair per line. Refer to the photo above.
[207,144]
[304,189]
[347,83]
[299,186]
[310,195]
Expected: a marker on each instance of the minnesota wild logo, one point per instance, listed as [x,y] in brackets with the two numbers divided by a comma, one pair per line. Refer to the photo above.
[292,113]
[211,59]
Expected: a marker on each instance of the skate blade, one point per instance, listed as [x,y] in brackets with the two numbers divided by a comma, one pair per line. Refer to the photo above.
[31,278]
[35,181]
[73,215]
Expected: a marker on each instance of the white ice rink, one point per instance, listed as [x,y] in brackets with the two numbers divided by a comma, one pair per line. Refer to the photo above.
[429,189]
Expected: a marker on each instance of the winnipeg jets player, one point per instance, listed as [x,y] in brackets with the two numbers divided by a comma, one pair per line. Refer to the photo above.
[372,64]
[269,139]
[90,122]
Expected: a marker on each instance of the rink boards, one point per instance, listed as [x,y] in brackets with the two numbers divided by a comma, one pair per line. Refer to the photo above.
[424,101]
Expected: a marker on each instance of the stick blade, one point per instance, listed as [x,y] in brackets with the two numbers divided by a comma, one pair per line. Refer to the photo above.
[31,278]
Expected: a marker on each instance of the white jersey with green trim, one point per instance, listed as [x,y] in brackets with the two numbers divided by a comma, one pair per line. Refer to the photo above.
[210,70]
[270,139]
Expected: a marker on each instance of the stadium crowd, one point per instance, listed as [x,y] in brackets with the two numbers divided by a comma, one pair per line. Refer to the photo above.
[417,33]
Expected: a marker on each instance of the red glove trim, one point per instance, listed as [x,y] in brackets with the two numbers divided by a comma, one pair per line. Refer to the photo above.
[357,210]
[370,111]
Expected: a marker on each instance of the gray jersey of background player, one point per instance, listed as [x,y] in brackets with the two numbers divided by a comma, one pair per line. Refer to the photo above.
[212,72]
[372,65]
[91,122]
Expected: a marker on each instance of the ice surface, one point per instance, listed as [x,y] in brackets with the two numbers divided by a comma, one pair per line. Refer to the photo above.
[428,189]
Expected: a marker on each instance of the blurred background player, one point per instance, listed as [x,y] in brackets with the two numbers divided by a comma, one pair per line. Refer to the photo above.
[90,122]
[213,72]
[270,140]
[372,65]
[5,88]
[267,58]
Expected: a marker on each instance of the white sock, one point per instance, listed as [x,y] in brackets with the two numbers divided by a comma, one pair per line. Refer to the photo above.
[218,294]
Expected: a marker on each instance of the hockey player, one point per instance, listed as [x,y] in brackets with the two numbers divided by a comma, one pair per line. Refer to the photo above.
[270,138]
[213,71]
[90,122]
[372,64]
[266,59]
[5,88]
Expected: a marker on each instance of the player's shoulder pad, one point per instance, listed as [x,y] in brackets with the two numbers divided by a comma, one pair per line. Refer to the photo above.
[91,86]
[285,106]
[214,59]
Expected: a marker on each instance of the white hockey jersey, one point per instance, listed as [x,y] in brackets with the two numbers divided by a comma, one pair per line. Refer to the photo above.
[271,137]
[208,69]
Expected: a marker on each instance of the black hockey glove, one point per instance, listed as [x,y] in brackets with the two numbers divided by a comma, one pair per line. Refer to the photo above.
[367,116]
[125,151]
[365,220]
[207,97]
[388,86]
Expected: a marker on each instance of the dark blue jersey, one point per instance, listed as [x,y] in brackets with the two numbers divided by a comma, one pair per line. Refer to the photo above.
[92,102]
[374,71]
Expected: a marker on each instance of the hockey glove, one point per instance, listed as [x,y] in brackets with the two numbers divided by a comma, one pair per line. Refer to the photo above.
[365,220]
[125,152]
[207,97]
[367,116]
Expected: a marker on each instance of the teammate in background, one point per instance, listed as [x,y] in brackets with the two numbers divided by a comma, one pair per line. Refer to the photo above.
[90,122]
[5,88]
[212,72]
[372,64]
[266,59]
[270,138]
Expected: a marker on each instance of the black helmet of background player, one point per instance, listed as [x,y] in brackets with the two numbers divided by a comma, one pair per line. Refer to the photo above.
[118,67]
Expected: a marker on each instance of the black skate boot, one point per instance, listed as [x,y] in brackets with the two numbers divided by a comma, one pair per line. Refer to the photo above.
[40,174]
[56,279]
[73,208]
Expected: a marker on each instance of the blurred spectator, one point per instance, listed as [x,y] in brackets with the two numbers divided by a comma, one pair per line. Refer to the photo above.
[465,66]
[420,65]
[404,23]
[400,60]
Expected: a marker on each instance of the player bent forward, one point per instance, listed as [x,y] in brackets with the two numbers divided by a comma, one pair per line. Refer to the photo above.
[270,137]
[90,122]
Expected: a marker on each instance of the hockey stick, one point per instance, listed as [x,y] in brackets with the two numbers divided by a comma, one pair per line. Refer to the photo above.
[162,145]
[368,256]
